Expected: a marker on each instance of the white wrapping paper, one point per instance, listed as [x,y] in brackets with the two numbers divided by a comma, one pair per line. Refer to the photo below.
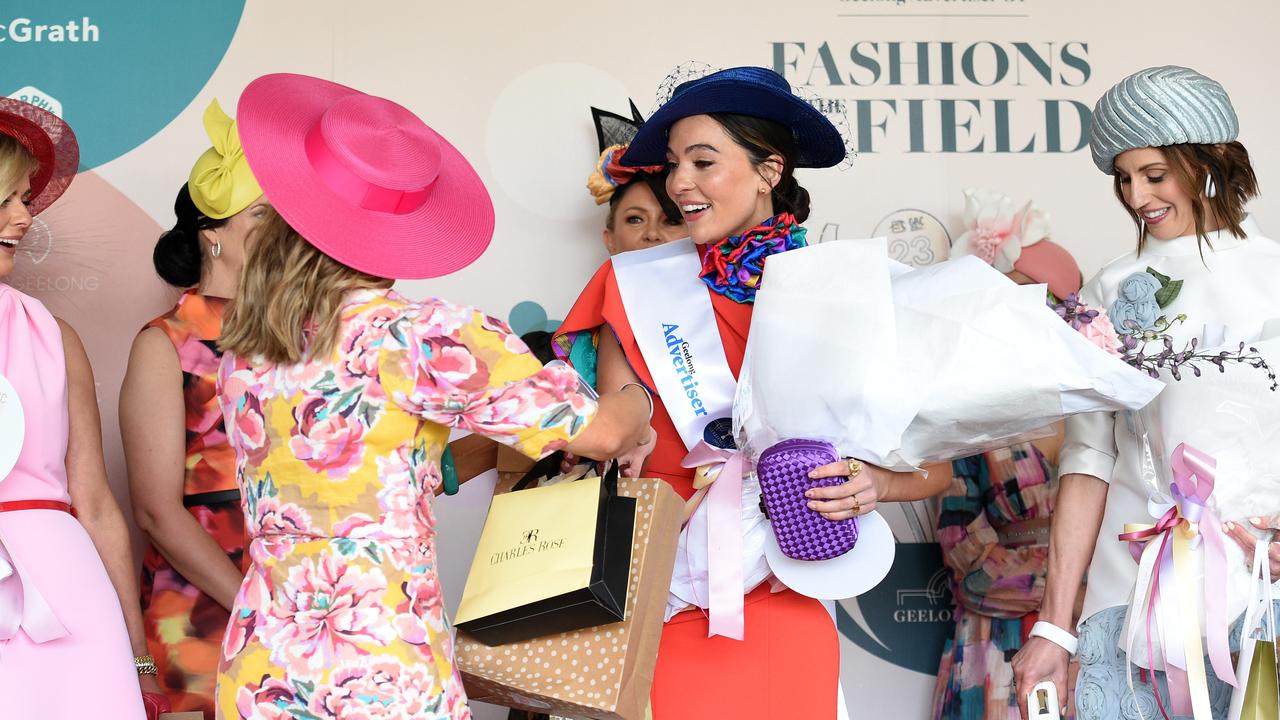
[900,367]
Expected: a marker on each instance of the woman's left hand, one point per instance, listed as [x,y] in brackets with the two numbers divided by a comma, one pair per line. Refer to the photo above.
[154,701]
[857,496]
[150,684]
[631,462]
[1247,541]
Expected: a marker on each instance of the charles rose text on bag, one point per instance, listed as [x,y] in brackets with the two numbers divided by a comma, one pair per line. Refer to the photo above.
[550,559]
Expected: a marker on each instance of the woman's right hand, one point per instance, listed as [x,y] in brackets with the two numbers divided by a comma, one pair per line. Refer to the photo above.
[630,462]
[1249,543]
[1037,661]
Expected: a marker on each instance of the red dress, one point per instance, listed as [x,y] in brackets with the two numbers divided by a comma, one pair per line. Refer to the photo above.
[788,665]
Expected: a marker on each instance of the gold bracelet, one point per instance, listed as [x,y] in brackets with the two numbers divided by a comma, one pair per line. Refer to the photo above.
[145,665]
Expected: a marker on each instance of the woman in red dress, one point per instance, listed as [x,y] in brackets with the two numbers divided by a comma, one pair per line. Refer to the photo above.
[181,468]
[731,141]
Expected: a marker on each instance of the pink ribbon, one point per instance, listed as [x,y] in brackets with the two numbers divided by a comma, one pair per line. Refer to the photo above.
[1139,538]
[22,605]
[1194,475]
[1189,465]
[370,196]
[724,539]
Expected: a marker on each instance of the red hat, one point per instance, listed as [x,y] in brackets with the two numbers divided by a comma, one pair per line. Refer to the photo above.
[52,143]
[362,178]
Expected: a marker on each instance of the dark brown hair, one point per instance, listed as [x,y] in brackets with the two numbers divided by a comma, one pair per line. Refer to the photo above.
[177,256]
[1190,165]
[762,138]
[657,182]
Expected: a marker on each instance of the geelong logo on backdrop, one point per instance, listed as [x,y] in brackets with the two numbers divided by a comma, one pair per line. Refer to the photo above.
[907,618]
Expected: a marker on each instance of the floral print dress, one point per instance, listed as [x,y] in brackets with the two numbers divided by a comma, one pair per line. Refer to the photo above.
[185,626]
[340,615]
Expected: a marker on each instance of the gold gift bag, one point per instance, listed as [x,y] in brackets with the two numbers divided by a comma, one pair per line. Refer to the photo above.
[1262,690]
[604,672]
[550,559]
[1258,697]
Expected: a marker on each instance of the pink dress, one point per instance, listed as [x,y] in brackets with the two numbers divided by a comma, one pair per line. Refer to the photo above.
[64,651]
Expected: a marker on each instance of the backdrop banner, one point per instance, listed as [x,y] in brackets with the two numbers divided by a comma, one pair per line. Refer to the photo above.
[940,95]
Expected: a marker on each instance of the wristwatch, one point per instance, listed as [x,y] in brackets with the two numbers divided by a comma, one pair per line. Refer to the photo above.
[145,665]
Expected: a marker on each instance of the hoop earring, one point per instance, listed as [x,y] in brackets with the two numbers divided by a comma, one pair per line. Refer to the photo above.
[216,249]
[1210,189]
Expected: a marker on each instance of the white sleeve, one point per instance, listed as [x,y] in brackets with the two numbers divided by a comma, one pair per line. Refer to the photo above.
[1090,445]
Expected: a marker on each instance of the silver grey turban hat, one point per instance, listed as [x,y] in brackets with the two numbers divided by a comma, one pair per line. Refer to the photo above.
[1160,106]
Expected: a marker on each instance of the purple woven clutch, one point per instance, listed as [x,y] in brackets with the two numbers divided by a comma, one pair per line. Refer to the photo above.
[802,533]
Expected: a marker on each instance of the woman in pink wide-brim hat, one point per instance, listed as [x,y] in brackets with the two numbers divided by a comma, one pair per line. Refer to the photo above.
[339,396]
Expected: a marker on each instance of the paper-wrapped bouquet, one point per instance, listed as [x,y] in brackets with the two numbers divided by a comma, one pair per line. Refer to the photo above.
[902,367]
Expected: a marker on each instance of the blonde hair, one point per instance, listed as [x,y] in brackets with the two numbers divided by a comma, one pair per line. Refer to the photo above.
[16,162]
[287,308]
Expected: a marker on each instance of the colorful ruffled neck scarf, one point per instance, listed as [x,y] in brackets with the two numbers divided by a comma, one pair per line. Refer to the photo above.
[732,267]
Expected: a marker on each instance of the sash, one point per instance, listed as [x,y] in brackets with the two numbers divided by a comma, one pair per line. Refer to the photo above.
[675,328]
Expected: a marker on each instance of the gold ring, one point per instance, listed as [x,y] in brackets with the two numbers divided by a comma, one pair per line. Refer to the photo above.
[857,505]
[855,467]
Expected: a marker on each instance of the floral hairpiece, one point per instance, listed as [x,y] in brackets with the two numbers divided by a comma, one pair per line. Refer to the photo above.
[610,174]
[995,232]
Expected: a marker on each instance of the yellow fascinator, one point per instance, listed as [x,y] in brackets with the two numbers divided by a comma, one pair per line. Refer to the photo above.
[221,183]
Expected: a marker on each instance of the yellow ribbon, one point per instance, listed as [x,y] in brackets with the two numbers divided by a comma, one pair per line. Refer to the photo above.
[1181,537]
[221,183]
[1187,591]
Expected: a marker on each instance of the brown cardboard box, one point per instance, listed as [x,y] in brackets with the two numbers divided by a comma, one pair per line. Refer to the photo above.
[603,672]
[512,465]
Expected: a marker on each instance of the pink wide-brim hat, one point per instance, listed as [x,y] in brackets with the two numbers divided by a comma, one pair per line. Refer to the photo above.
[1049,263]
[362,178]
[50,140]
